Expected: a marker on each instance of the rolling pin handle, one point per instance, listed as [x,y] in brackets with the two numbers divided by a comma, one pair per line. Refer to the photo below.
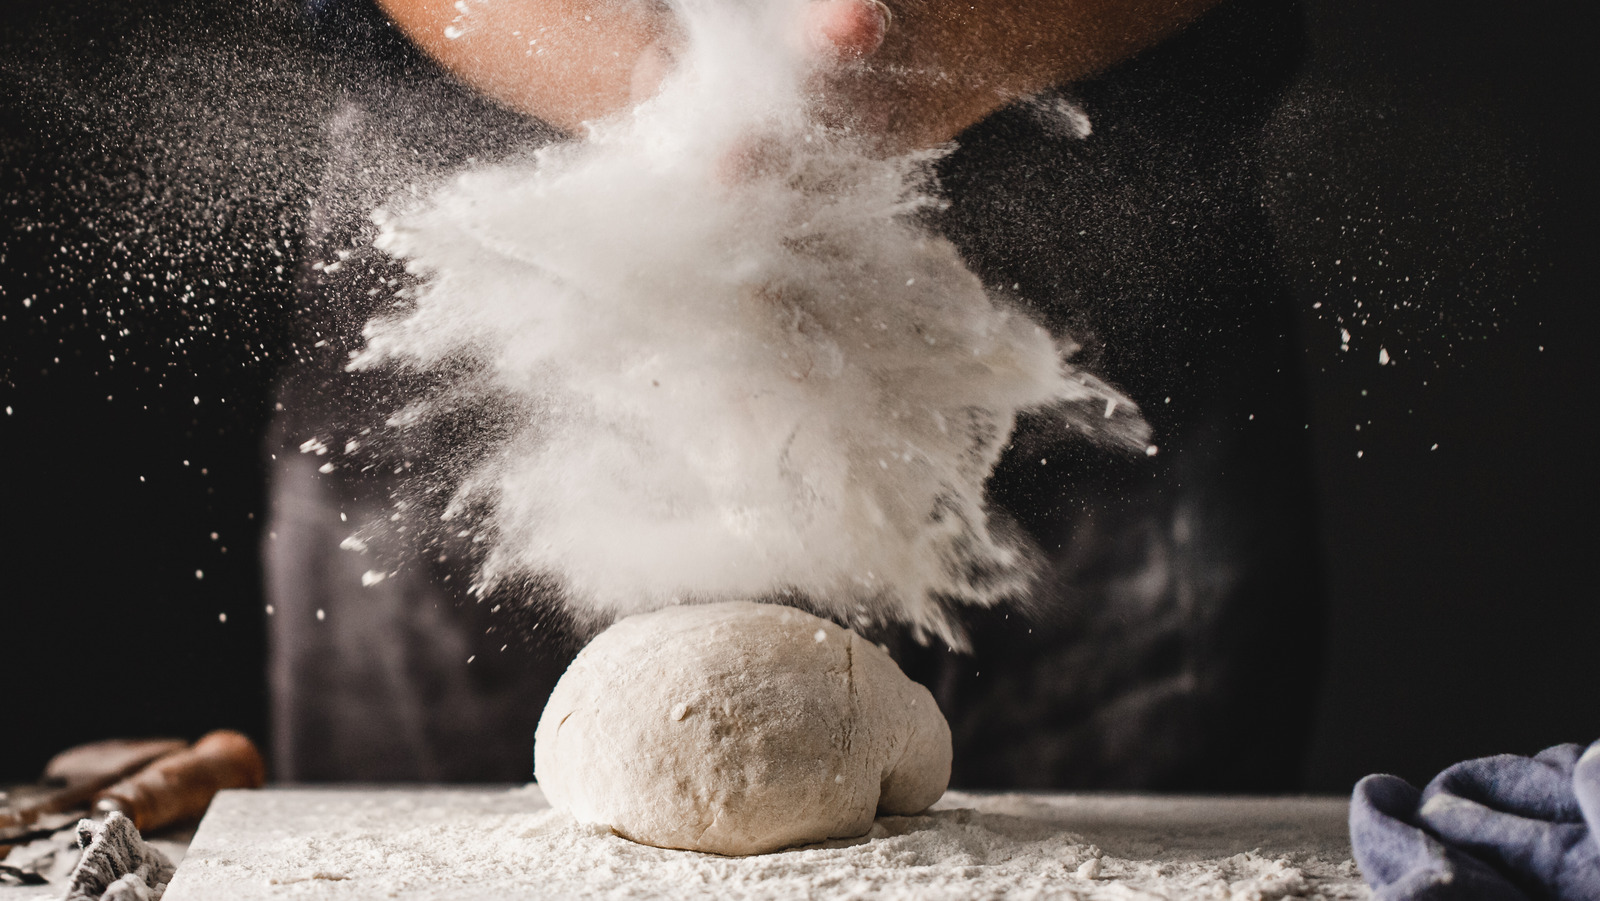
[180,786]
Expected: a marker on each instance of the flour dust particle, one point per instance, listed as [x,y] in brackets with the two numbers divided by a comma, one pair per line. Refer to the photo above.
[726,381]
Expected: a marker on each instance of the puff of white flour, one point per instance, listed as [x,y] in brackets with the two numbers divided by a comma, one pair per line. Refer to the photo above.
[738,728]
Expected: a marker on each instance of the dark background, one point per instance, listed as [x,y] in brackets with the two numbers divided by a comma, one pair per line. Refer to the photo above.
[1434,194]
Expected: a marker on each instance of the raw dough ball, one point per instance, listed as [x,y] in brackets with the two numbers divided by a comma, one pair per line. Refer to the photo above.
[738,728]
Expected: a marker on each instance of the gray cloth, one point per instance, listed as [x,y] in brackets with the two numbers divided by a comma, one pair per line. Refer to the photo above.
[1502,828]
[117,864]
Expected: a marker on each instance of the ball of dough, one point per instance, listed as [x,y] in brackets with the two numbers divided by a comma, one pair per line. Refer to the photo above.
[738,728]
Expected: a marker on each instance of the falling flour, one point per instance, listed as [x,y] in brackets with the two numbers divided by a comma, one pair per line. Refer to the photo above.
[734,363]
[438,845]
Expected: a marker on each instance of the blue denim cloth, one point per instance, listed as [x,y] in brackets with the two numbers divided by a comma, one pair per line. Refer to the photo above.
[1502,828]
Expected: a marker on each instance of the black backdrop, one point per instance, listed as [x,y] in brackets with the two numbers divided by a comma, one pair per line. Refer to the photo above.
[155,156]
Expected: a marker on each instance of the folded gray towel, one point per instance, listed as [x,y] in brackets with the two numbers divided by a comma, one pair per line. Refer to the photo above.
[1502,828]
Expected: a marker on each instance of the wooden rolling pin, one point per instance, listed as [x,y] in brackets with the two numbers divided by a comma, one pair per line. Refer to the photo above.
[180,786]
[78,775]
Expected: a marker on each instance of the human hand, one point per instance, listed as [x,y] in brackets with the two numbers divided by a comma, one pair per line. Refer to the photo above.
[947,64]
[909,80]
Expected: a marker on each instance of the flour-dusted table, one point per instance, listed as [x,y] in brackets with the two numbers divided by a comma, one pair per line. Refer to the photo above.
[364,842]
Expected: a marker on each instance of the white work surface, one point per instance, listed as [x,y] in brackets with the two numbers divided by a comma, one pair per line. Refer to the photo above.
[492,843]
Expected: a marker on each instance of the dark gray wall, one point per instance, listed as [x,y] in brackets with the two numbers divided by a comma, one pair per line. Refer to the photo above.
[1441,156]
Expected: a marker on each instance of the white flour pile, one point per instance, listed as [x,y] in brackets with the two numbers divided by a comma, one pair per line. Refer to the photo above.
[458,844]
[738,366]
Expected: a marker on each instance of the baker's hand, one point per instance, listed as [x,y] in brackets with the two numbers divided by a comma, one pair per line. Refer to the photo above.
[946,64]
[912,74]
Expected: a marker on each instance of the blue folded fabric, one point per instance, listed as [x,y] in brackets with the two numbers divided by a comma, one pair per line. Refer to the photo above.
[1502,828]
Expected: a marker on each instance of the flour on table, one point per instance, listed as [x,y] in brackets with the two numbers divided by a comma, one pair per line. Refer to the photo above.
[493,844]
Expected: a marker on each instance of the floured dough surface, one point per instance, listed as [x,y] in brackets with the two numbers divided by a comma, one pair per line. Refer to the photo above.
[737,729]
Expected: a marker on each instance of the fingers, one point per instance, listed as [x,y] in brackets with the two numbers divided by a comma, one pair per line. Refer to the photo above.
[563,61]
[845,30]
[832,31]
[650,69]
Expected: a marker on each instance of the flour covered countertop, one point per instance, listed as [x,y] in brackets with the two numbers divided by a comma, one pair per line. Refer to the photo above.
[414,843]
